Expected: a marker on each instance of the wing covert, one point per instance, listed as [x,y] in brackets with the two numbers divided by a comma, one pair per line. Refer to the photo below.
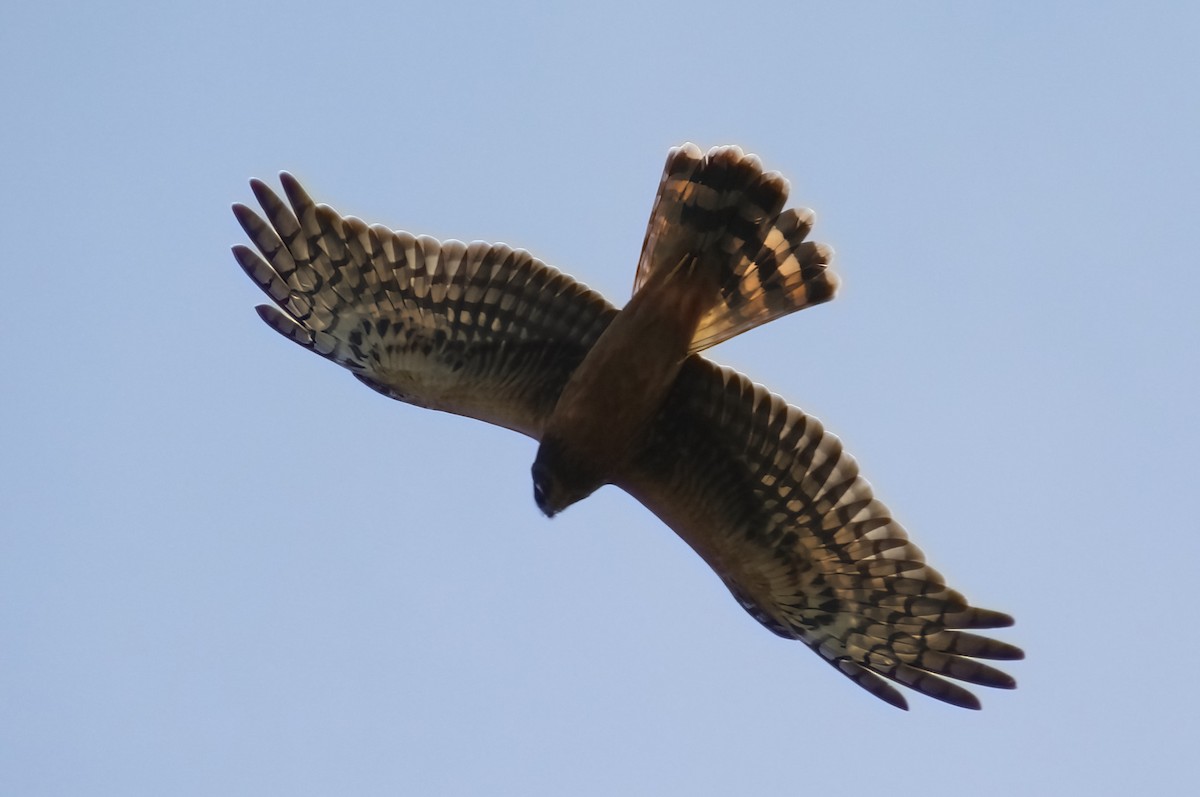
[780,512]
[480,330]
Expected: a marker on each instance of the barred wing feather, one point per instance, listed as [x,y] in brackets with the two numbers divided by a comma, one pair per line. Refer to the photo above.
[755,486]
[479,330]
[777,508]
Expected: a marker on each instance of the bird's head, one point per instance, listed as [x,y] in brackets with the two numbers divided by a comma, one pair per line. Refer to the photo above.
[556,482]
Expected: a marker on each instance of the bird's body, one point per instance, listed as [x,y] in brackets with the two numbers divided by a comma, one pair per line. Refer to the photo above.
[753,485]
[713,214]
[611,398]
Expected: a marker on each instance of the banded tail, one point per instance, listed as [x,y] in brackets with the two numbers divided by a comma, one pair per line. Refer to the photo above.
[723,210]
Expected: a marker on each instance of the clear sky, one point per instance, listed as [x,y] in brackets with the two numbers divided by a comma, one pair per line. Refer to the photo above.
[228,568]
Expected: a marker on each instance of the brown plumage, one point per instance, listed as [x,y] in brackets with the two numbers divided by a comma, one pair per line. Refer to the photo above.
[754,486]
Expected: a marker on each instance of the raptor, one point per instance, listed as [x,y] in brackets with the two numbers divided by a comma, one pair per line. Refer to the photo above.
[755,486]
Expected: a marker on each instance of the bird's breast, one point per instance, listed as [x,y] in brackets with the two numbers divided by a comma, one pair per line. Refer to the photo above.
[612,396]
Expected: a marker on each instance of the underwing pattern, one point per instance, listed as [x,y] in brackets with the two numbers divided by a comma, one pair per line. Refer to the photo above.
[756,487]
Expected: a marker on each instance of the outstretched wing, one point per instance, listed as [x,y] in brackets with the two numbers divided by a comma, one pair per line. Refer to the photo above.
[778,509]
[479,330]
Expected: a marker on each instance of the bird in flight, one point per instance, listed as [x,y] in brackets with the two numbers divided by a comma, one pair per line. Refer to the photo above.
[755,486]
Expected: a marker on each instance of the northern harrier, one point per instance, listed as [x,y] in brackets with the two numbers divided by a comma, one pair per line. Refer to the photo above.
[757,488]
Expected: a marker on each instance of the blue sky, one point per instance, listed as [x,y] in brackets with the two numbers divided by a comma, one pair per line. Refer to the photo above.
[228,568]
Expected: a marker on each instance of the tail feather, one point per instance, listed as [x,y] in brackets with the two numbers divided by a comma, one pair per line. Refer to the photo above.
[722,212]
[787,274]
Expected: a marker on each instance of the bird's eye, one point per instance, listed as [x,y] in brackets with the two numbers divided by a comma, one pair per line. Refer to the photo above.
[539,494]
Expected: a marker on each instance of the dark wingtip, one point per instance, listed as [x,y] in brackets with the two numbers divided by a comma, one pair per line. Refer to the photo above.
[1000,619]
[266,312]
[290,184]
[986,618]
[295,193]
[263,193]
[244,255]
[244,214]
[960,697]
